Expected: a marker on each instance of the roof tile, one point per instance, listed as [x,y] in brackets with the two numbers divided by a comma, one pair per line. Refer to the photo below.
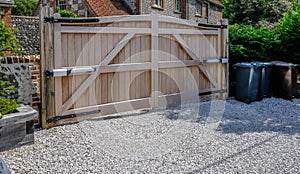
[108,7]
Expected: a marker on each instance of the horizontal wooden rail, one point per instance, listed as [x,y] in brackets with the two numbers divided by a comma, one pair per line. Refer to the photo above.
[115,30]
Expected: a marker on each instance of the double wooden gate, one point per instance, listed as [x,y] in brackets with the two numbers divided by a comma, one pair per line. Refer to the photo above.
[99,66]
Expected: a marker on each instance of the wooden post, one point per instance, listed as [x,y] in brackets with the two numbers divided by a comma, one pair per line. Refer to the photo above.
[47,62]
[225,54]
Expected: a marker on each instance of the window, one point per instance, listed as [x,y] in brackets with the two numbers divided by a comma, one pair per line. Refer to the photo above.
[158,3]
[205,10]
[199,9]
[177,6]
[61,4]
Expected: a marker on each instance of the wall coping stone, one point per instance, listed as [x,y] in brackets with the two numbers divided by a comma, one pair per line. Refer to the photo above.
[26,113]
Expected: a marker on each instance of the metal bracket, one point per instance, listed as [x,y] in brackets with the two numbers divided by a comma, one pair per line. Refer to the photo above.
[48,19]
[222,26]
[57,118]
[49,73]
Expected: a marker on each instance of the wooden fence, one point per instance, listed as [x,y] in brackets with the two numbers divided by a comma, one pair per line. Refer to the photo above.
[100,66]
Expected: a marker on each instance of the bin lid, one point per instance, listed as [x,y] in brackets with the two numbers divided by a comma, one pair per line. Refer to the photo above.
[264,63]
[285,64]
[247,65]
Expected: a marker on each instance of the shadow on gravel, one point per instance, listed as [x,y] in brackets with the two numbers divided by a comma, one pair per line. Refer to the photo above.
[226,158]
[270,115]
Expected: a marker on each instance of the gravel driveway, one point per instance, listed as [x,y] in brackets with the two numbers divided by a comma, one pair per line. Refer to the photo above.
[206,137]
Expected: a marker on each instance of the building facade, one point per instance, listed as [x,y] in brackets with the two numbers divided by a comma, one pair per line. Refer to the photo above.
[5,11]
[202,11]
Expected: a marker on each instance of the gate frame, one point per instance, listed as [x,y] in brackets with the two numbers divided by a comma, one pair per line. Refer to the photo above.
[51,29]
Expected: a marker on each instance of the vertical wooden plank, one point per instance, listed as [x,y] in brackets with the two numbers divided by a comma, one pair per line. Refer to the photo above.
[144,58]
[127,75]
[110,46]
[96,41]
[80,52]
[115,80]
[86,61]
[154,61]
[138,74]
[133,60]
[174,71]
[122,76]
[71,62]
[91,57]
[46,87]
[104,82]
[65,63]
[185,69]
[58,64]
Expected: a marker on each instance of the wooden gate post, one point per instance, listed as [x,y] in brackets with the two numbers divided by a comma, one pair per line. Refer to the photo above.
[47,62]
[225,54]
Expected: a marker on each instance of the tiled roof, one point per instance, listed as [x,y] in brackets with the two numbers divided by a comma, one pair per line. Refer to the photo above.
[108,7]
[217,2]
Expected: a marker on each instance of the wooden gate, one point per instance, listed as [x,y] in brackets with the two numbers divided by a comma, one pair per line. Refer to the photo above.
[100,66]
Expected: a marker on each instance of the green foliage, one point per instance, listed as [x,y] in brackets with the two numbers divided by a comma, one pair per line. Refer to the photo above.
[8,41]
[66,13]
[289,31]
[7,105]
[250,43]
[255,12]
[24,7]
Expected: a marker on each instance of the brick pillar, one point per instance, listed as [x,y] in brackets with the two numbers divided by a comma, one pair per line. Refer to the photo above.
[7,16]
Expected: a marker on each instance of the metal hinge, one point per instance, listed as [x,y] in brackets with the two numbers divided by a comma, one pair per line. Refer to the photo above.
[57,118]
[70,20]
[212,26]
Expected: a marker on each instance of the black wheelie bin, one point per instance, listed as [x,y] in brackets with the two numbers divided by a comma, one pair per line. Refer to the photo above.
[265,80]
[247,81]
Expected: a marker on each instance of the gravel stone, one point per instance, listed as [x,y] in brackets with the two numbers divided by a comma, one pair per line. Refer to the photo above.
[205,137]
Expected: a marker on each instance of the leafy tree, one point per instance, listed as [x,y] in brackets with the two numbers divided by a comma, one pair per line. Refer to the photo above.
[248,43]
[8,41]
[24,7]
[255,12]
[289,31]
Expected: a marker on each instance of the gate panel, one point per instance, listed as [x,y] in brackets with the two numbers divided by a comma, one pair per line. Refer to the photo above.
[124,63]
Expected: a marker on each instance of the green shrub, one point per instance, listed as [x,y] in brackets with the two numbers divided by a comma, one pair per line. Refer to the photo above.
[289,31]
[8,40]
[248,43]
[24,7]
[66,13]
[7,104]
